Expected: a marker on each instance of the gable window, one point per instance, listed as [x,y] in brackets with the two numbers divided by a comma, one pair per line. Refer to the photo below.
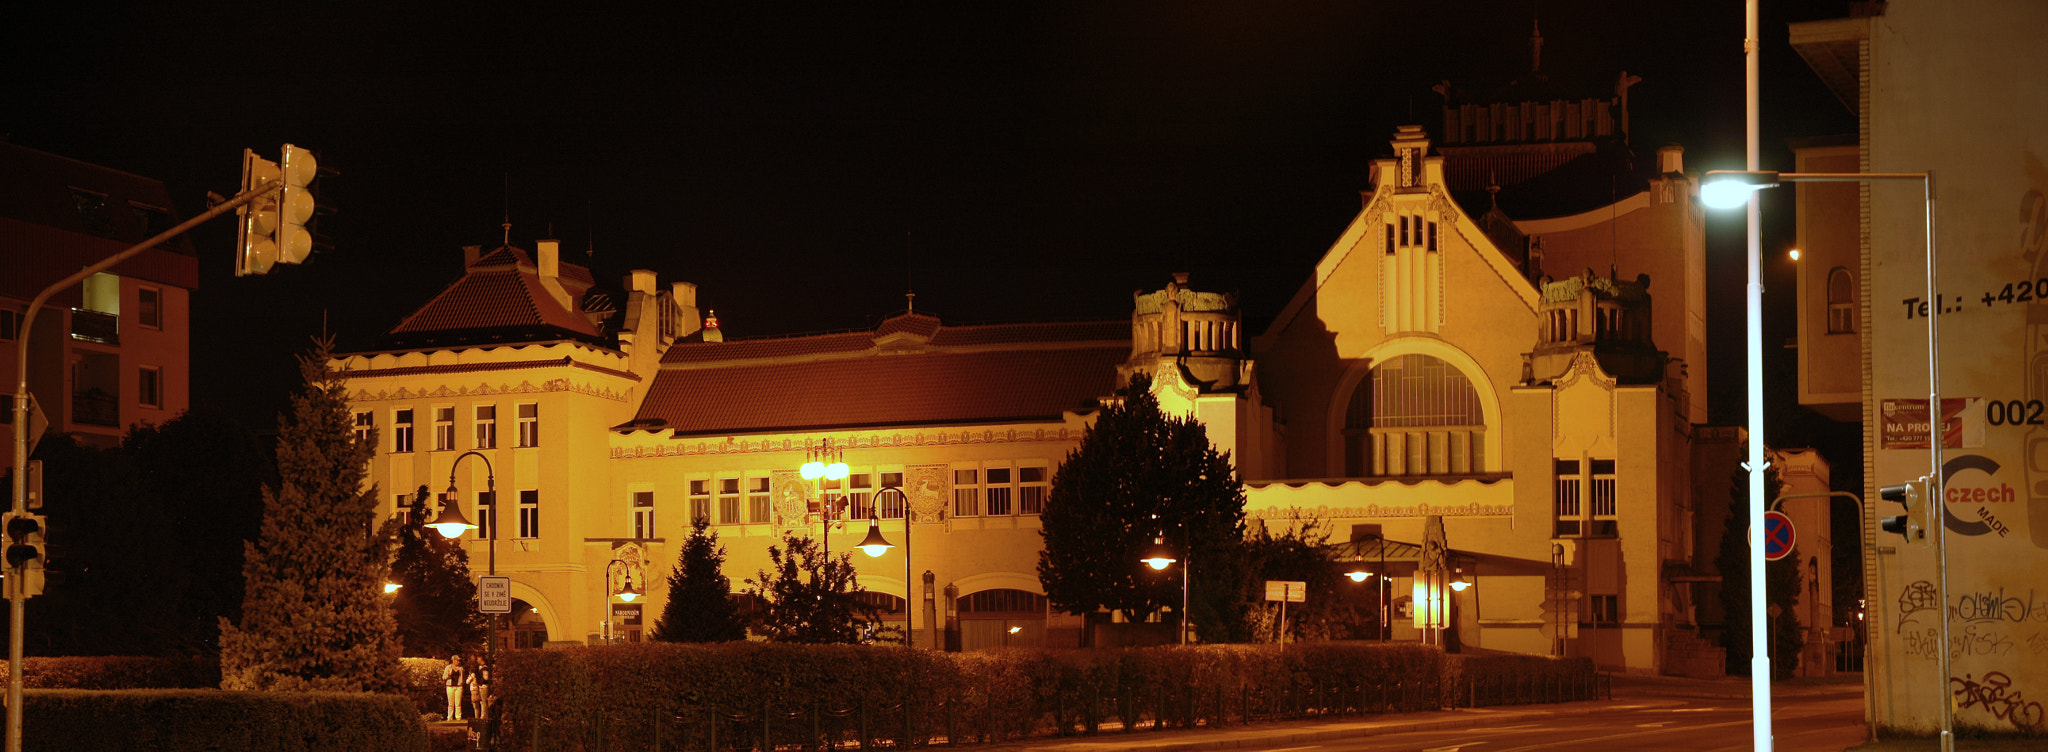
[700,501]
[149,308]
[529,425]
[1414,415]
[643,514]
[149,384]
[444,429]
[1430,241]
[529,513]
[401,430]
[1841,302]
[486,426]
[966,492]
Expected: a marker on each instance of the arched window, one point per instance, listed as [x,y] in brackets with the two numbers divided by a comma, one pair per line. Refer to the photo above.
[1414,415]
[1841,301]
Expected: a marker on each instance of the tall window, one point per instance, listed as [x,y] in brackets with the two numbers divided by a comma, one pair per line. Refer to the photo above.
[966,492]
[486,426]
[149,384]
[149,303]
[529,513]
[997,492]
[1414,415]
[1604,522]
[366,422]
[729,501]
[486,515]
[10,324]
[529,425]
[700,501]
[1031,489]
[1570,512]
[893,504]
[1605,611]
[860,496]
[760,506]
[444,429]
[1841,301]
[643,514]
[401,430]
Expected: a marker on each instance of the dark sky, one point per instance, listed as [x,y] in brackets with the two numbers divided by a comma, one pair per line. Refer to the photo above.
[804,164]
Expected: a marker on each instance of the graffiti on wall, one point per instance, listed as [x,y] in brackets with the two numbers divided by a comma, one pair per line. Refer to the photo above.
[1994,694]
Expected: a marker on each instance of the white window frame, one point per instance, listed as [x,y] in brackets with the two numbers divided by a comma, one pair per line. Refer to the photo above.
[401,430]
[1568,503]
[444,428]
[1031,492]
[998,497]
[529,513]
[700,500]
[967,491]
[731,501]
[486,416]
[643,515]
[895,505]
[529,424]
[760,490]
[365,422]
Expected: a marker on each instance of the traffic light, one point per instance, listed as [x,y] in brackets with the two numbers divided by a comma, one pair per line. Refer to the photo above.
[256,236]
[1913,496]
[295,207]
[25,557]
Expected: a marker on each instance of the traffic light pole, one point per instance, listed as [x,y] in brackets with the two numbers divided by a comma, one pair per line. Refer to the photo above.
[17,598]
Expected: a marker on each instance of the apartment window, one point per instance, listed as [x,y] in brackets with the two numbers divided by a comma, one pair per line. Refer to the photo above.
[149,384]
[1841,301]
[966,492]
[149,313]
[643,514]
[893,504]
[1604,523]
[486,426]
[1431,239]
[1031,490]
[10,324]
[1390,238]
[366,422]
[529,513]
[729,501]
[529,425]
[1605,610]
[401,430]
[860,496]
[1569,511]
[997,493]
[486,515]
[444,429]
[700,501]
[759,508]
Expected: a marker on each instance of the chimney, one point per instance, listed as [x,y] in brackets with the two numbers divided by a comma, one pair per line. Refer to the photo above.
[1670,159]
[550,260]
[470,253]
[640,280]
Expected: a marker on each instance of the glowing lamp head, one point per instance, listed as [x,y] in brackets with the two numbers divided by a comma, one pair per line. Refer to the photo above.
[1358,576]
[1158,557]
[1727,189]
[835,471]
[391,587]
[628,593]
[813,470]
[1795,254]
[875,544]
[451,523]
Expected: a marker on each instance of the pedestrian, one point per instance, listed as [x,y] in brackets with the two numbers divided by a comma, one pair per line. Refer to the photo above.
[480,690]
[454,677]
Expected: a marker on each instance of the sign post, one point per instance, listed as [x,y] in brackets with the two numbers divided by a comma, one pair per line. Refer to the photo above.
[1779,535]
[1285,591]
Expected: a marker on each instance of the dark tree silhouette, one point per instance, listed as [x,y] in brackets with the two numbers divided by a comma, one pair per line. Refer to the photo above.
[700,607]
[436,601]
[1781,584]
[314,613]
[810,599]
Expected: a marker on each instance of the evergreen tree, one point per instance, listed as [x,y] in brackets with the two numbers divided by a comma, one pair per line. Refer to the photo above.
[700,607]
[1138,475]
[820,610]
[314,615]
[1782,584]
[436,601]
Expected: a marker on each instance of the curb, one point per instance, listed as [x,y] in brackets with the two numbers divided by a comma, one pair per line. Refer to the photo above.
[1463,718]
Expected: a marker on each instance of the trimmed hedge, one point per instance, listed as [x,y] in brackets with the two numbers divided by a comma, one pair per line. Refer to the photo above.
[119,672]
[69,720]
[621,694]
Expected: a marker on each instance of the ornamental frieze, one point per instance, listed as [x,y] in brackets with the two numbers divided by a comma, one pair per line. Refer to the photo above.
[703,447]
[1420,509]
[445,391]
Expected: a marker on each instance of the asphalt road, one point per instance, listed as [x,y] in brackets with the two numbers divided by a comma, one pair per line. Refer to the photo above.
[1807,724]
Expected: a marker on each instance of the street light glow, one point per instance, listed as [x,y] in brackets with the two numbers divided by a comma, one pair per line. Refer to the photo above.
[1358,576]
[1727,189]
[1159,557]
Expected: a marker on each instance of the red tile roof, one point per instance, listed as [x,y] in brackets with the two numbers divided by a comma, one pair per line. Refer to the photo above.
[501,290]
[967,374]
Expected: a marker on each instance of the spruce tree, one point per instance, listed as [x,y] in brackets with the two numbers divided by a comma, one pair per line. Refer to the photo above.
[700,607]
[822,609]
[1138,475]
[436,601]
[314,615]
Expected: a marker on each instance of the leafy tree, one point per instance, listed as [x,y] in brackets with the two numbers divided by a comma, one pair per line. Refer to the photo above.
[436,601]
[1782,585]
[314,615]
[1138,475]
[700,607]
[821,609]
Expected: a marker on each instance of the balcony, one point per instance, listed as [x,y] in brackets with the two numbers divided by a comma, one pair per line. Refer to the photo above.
[93,326]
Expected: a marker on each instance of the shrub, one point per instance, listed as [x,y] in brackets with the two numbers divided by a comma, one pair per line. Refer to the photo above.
[119,672]
[69,720]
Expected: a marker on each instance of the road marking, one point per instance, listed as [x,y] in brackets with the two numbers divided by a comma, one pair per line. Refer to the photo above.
[1692,710]
[1581,743]
[1291,749]
[1658,724]
[1453,748]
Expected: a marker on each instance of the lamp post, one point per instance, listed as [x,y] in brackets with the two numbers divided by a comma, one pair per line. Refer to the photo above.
[826,462]
[875,545]
[451,524]
[1557,574]
[1159,557]
[1379,588]
[1721,189]
[624,591]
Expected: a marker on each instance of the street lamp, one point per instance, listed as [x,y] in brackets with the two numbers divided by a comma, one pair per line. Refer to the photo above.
[875,545]
[827,462]
[451,524]
[1726,184]
[1379,588]
[623,591]
[1159,557]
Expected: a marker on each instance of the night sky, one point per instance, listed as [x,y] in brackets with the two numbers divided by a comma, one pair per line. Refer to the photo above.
[805,165]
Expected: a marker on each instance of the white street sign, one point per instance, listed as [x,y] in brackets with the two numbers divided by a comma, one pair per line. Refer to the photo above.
[494,595]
